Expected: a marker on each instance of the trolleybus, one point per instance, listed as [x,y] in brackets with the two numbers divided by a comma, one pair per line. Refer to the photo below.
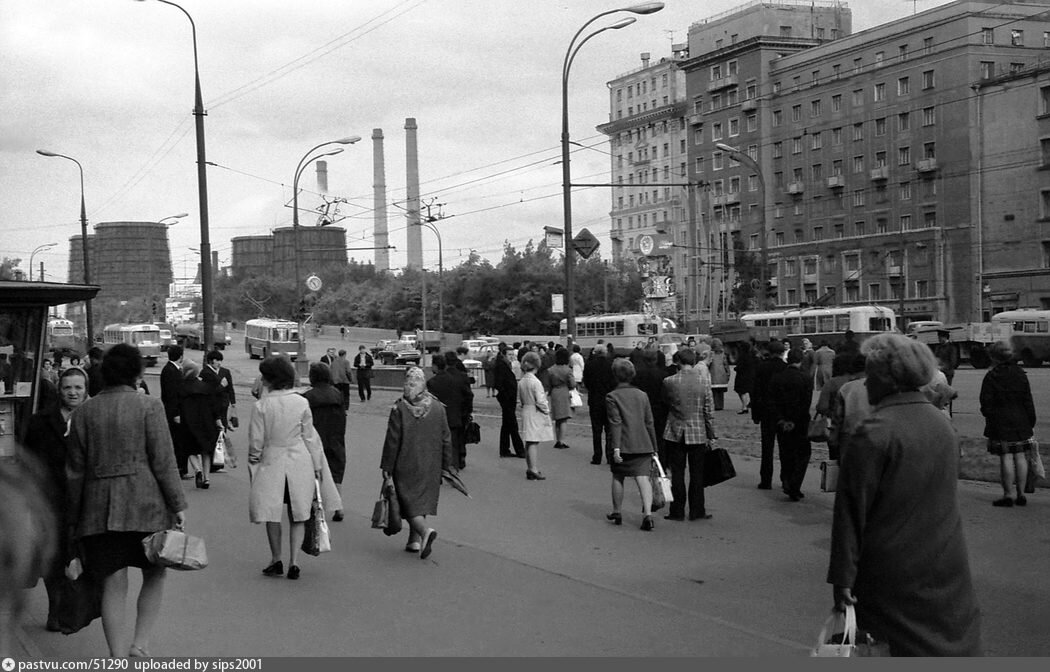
[622,330]
[1029,334]
[264,337]
[145,337]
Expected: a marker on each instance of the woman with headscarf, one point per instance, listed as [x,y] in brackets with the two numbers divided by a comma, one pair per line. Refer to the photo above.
[898,552]
[1009,416]
[535,415]
[48,439]
[285,457]
[418,447]
[201,421]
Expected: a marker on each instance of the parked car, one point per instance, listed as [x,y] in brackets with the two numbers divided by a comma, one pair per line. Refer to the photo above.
[398,352]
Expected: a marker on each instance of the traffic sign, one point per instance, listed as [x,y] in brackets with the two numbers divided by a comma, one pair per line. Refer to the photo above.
[585,243]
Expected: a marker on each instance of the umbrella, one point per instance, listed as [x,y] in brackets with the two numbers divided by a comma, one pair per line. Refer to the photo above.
[455,481]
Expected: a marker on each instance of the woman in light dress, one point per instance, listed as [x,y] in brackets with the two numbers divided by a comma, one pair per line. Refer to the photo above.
[535,414]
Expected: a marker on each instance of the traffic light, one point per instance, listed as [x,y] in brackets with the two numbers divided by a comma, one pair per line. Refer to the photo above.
[771,290]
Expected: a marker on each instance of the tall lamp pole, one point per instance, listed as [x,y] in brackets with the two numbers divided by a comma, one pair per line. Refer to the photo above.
[566,175]
[207,281]
[83,242]
[303,163]
[743,158]
[32,254]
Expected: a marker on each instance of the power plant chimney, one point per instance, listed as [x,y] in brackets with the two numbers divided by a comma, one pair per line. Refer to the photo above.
[415,232]
[381,237]
[322,177]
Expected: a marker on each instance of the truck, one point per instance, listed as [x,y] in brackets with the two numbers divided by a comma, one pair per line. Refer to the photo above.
[430,339]
[970,339]
[191,334]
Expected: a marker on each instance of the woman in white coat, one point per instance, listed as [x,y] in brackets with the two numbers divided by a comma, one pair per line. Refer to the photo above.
[535,414]
[285,455]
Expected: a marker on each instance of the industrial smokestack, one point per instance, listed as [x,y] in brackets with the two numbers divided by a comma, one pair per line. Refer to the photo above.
[415,232]
[379,202]
[322,177]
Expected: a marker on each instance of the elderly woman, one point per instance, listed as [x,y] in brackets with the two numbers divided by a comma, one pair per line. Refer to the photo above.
[632,440]
[1009,416]
[48,439]
[897,547]
[326,407]
[418,447]
[123,485]
[561,380]
[285,456]
[201,421]
[535,414]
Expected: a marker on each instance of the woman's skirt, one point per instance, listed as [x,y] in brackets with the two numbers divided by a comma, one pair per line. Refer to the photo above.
[634,464]
[1003,447]
[111,551]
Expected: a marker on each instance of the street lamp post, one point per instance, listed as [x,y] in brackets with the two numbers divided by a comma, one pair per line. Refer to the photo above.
[743,158]
[32,254]
[303,163]
[570,54]
[83,242]
[207,281]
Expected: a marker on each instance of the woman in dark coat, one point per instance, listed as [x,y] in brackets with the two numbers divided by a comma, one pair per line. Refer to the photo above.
[745,375]
[47,439]
[1009,416]
[123,485]
[326,405]
[561,381]
[201,421]
[898,552]
[632,441]
[418,447]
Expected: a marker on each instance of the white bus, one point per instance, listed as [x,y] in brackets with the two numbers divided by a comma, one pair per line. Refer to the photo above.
[145,337]
[264,337]
[60,335]
[1029,334]
[622,330]
[821,324]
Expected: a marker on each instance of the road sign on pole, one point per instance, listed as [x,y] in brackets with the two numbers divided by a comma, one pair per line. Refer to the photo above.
[585,243]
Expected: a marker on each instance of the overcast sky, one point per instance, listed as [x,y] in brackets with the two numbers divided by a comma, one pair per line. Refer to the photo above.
[110,83]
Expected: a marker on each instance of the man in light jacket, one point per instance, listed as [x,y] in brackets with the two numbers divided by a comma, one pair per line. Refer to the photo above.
[689,434]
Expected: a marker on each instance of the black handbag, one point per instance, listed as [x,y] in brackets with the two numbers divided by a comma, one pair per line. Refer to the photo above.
[79,603]
[718,467]
[386,514]
[472,432]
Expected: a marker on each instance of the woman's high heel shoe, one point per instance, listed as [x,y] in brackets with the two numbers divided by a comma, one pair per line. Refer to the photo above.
[198,479]
[647,523]
[534,476]
[615,517]
[138,652]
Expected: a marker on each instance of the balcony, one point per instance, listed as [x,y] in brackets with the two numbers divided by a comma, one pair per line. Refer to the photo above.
[725,199]
[795,188]
[723,83]
[880,173]
[695,119]
[836,182]
[749,105]
[893,270]
[927,165]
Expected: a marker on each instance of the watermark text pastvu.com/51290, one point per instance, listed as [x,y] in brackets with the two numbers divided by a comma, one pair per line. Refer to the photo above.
[145,664]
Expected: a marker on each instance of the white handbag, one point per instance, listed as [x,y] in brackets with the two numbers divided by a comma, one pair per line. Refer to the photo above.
[219,458]
[663,479]
[824,647]
[575,400]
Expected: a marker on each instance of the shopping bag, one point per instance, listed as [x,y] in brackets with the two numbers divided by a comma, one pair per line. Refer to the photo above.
[386,514]
[718,467]
[219,458]
[661,485]
[380,513]
[575,399]
[818,429]
[316,540]
[829,476]
[79,603]
[472,432]
[175,550]
[849,642]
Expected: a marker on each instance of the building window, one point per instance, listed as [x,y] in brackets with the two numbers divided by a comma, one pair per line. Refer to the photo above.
[929,117]
[751,91]
[734,127]
[858,198]
[1044,144]
[716,161]
[880,226]
[836,167]
[752,122]
[785,31]
[902,52]
[988,35]
[880,92]
[929,150]
[873,292]
[1017,38]
[987,69]
[752,182]
[903,86]
[858,132]
[878,58]
[796,113]
[880,126]
[903,156]
[836,136]
[1046,38]
[752,241]
[776,88]
[818,172]
[778,150]
[778,117]
[905,191]
[796,145]
[922,289]
[716,72]
[880,159]
[858,164]
[820,33]
[799,238]
[698,137]
[927,46]
[816,108]
[835,71]
[699,164]
[796,83]
[859,229]
[929,220]
[856,66]
[817,140]
[815,77]
[1044,100]
[927,79]
[858,98]
[778,238]
[836,102]
[904,121]
[929,189]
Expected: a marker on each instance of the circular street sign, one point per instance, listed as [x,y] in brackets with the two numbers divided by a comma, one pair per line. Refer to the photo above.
[314,283]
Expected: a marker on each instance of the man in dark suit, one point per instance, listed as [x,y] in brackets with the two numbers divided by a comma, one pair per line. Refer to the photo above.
[329,356]
[791,393]
[452,388]
[220,380]
[762,411]
[94,371]
[170,386]
[507,396]
[599,381]
[364,362]
[689,434]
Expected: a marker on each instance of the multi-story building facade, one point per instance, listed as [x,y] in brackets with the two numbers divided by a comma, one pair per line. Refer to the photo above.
[647,133]
[870,148]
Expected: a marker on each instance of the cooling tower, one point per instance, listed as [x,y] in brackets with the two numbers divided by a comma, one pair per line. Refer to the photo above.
[131,259]
[415,232]
[252,256]
[76,259]
[382,239]
[318,247]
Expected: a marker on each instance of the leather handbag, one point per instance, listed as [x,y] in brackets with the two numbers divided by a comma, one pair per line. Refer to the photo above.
[79,602]
[472,432]
[718,467]
[661,485]
[316,540]
[386,514]
[219,457]
[175,550]
[818,429]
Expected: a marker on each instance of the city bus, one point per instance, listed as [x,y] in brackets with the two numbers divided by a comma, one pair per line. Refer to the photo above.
[821,324]
[264,337]
[1029,334]
[60,335]
[145,337]
[621,330]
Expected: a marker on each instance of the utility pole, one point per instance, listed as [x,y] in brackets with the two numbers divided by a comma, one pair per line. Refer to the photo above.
[429,221]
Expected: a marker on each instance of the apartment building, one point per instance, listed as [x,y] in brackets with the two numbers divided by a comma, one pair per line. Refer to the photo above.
[870,149]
